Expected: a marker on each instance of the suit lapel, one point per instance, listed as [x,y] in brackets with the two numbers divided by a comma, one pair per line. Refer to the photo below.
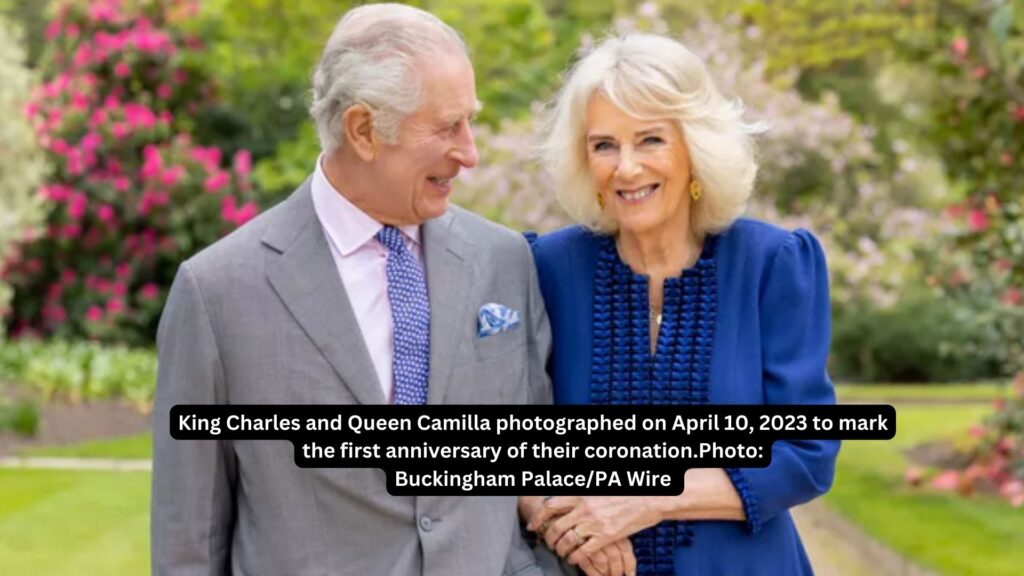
[448,278]
[306,279]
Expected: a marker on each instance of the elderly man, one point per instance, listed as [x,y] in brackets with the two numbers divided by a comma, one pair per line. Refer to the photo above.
[364,287]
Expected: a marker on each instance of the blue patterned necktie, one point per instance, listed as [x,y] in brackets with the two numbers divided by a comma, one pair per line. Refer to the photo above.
[410,314]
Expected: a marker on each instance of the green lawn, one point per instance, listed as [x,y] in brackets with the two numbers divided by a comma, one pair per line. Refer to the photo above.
[947,533]
[64,523]
[910,392]
[139,446]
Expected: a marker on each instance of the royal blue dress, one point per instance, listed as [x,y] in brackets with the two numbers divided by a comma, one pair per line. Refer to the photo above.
[748,324]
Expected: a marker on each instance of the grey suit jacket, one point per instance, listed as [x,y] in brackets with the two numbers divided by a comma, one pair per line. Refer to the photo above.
[261,317]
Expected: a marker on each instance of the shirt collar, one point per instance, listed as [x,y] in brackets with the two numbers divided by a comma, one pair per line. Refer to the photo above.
[348,227]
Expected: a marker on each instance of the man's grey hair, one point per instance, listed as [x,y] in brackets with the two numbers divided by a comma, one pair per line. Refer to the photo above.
[371,59]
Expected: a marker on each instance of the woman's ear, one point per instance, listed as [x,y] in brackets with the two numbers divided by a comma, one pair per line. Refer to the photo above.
[357,124]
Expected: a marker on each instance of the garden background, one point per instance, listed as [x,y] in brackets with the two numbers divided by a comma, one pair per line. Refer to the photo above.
[136,132]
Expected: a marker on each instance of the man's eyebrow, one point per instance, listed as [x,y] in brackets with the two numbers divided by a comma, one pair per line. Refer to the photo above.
[455,117]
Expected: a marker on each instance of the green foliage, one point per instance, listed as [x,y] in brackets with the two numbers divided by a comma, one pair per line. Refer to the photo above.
[24,418]
[21,417]
[80,372]
[279,175]
[816,34]
[21,159]
[975,119]
[510,43]
[918,339]
[262,53]
[30,16]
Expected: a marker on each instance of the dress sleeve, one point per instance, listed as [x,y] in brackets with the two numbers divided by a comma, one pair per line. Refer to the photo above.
[795,328]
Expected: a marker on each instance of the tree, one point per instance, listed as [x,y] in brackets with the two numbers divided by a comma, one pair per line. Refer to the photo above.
[21,160]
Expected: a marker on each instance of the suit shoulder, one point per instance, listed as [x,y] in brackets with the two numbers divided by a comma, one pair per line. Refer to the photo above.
[483,231]
[239,254]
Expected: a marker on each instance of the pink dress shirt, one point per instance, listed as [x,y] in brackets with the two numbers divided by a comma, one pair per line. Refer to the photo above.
[362,264]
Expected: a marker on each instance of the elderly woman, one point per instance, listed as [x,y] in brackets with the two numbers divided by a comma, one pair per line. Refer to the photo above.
[663,295]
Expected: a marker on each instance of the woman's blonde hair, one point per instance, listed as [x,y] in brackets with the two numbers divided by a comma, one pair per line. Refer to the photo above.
[653,77]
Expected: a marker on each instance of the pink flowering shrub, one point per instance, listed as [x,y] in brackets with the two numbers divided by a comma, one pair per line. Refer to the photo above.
[978,128]
[131,195]
[976,123]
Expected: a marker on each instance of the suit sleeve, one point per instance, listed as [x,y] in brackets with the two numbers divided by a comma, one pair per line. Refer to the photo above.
[193,480]
[539,343]
[795,327]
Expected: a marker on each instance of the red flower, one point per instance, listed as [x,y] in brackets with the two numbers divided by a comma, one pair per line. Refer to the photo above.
[977,221]
[960,46]
[914,476]
[115,305]
[243,162]
[216,181]
[149,291]
[1004,265]
[94,313]
[1012,297]
[947,480]
[53,30]
[105,213]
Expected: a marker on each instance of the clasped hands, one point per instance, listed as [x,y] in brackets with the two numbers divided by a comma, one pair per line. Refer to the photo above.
[591,532]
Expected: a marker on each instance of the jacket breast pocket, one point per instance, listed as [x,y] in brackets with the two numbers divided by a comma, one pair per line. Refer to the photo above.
[501,344]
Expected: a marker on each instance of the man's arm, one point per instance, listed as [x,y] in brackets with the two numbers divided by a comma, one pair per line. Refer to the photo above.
[193,480]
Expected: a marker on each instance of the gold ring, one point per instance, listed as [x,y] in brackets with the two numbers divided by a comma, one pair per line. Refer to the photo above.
[543,528]
[579,537]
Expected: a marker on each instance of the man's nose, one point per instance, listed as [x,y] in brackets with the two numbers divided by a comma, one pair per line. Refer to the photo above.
[465,152]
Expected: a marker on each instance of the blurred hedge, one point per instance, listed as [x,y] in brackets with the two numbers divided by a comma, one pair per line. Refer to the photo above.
[81,371]
[921,338]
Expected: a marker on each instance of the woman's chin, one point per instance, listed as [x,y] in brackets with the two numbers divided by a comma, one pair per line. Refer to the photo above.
[640,224]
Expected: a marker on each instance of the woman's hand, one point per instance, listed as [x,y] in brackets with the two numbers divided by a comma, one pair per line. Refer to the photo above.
[580,526]
[615,559]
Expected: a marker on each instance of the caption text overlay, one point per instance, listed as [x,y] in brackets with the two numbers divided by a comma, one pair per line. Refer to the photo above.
[533,450]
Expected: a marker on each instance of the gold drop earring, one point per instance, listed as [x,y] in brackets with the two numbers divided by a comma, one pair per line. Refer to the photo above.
[600,201]
[695,190]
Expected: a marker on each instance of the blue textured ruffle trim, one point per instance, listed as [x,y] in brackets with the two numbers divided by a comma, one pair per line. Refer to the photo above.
[750,504]
[623,371]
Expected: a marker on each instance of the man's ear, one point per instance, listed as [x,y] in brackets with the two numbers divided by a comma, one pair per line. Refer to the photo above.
[357,123]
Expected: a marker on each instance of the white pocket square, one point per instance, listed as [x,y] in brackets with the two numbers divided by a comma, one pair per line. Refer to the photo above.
[496,318]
